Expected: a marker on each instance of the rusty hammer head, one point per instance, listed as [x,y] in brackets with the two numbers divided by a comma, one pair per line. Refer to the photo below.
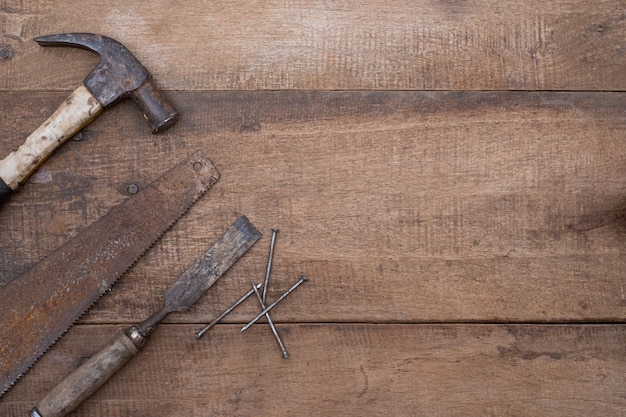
[118,75]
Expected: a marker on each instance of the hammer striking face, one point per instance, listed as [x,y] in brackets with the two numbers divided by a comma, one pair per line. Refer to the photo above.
[118,75]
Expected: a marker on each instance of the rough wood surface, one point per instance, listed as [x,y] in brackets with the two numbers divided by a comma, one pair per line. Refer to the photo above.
[351,370]
[403,206]
[465,248]
[367,44]
[86,379]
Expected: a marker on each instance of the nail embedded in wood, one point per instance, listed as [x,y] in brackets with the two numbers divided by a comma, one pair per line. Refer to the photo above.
[6,52]
[206,328]
[271,323]
[271,306]
[269,266]
[132,188]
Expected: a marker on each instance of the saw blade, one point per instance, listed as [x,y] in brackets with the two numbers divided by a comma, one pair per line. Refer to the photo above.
[40,305]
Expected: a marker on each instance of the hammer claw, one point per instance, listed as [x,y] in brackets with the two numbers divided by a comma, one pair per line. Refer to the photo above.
[88,41]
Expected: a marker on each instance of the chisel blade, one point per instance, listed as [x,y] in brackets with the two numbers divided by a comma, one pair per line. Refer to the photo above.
[211,265]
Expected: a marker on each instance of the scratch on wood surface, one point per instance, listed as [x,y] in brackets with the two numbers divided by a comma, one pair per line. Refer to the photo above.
[365,382]
[41,176]
[127,23]
[531,343]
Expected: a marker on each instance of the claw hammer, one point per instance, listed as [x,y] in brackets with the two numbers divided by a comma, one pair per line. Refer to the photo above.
[118,75]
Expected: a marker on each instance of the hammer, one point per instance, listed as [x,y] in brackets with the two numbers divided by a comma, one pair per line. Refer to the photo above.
[118,75]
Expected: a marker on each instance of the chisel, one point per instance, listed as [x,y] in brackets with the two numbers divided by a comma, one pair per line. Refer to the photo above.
[194,282]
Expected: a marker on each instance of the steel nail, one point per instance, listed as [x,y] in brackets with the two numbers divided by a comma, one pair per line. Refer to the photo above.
[269,265]
[132,188]
[271,323]
[225,313]
[271,306]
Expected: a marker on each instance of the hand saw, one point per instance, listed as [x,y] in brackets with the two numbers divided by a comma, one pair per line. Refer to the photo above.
[40,305]
[181,295]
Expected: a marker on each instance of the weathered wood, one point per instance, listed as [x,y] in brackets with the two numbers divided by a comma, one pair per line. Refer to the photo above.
[401,207]
[91,375]
[404,207]
[351,370]
[77,110]
[403,44]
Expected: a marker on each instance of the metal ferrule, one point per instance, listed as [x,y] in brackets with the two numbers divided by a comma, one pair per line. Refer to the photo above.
[35,413]
[136,337]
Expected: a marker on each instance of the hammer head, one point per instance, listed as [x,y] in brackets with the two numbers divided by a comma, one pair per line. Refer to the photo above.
[118,75]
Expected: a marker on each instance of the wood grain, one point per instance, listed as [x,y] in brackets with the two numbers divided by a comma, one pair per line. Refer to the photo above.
[369,44]
[351,370]
[402,207]
[448,174]
[76,111]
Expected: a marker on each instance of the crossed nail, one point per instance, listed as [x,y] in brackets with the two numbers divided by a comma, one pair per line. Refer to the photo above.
[262,300]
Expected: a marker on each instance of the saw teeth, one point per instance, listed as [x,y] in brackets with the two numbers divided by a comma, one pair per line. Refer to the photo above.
[199,194]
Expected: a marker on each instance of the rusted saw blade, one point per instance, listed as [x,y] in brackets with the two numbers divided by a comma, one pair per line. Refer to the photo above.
[40,305]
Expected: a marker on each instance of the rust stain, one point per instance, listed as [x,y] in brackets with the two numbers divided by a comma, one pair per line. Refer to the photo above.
[40,305]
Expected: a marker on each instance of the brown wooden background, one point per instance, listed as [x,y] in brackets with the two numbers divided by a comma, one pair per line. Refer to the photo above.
[450,175]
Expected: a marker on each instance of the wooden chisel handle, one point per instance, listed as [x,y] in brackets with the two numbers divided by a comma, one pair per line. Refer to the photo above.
[80,108]
[90,376]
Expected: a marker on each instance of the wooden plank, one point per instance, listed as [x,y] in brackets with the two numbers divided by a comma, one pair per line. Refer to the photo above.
[404,207]
[350,370]
[398,45]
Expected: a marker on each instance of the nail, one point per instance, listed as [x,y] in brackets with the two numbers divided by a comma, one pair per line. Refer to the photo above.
[269,265]
[5,52]
[225,313]
[271,306]
[271,323]
[132,188]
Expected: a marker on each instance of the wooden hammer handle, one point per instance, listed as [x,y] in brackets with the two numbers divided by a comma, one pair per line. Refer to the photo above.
[90,376]
[80,108]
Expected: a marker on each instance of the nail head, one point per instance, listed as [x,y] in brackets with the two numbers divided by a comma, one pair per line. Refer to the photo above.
[132,188]
[6,52]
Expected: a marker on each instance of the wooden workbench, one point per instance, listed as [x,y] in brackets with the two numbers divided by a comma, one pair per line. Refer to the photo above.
[450,175]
